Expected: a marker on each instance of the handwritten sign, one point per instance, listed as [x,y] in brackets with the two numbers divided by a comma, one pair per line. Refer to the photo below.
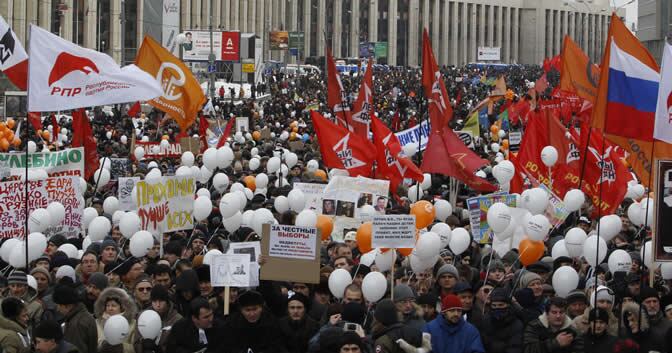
[40,194]
[393,231]
[166,205]
[67,162]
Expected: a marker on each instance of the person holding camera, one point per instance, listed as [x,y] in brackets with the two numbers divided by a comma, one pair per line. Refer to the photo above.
[552,332]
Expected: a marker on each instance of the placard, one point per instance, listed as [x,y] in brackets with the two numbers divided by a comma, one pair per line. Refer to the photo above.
[67,162]
[125,193]
[120,167]
[662,230]
[242,124]
[393,231]
[230,270]
[514,140]
[252,248]
[40,193]
[291,249]
[418,134]
[167,205]
[312,193]
[556,211]
[488,53]
[478,214]
[348,194]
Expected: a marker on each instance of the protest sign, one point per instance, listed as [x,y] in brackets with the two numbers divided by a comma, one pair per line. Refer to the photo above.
[478,214]
[292,253]
[40,194]
[166,205]
[253,248]
[120,167]
[514,140]
[67,162]
[418,134]
[192,144]
[662,239]
[242,124]
[172,150]
[556,212]
[393,231]
[125,193]
[230,270]
[312,193]
[344,196]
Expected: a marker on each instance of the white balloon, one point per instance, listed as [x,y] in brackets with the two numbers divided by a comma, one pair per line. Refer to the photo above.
[574,199]
[17,257]
[82,185]
[187,159]
[426,181]
[154,176]
[374,286]
[610,226]
[291,159]
[646,253]
[273,165]
[384,260]
[242,198]
[56,212]
[234,222]
[594,250]
[549,156]
[509,230]
[205,174]
[260,217]
[116,329]
[202,208]
[116,217]
[261,180]
[69,250]
[666,270]
[306,218]
[481,174]
[559,249]
[203,192]
[495,147]
[237,187]
[565,280]
[37,243]
[102,177]
[338,280]
[123,139]
[638,190]
[254,164]
[247,218]
[536,200]
[312,165]
[646,213]
[413,193]
[105,163]
[368,258]
[459,241]
[366,213]
[32,147]
[149,324]
[220,182]
[141,242]
[39,220]
[443,209]
[129,224]
[207,258]
[499,217]
[164,144]
[88,215]
[410,149]
[281,204]
[110,205]
[635,214]
[297,200]
[224,156]
[428,245]
[537,227]
[619,261]
[183,171]
[444,232]
[99,228]
[574,240]
[229,205]
[195,172]
[419,265]
[501,133]
[7,247]
[284,182]
[210,158]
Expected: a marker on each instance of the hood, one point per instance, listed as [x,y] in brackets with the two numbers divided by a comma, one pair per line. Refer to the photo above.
[633,309]
[11,325]
[543,318]
[127,304]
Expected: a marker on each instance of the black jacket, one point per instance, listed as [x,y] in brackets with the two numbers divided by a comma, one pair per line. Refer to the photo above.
[262,336]
[296,334]
[502,336]
[540,338]
[183,337]
[602,343]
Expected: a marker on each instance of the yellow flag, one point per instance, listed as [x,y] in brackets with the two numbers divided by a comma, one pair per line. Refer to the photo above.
[472,124]
[182,95]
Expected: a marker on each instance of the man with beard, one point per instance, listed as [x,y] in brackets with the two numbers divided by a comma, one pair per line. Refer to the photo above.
[450,332]
[297,328]
[252,328]
[501,330]
[97,283]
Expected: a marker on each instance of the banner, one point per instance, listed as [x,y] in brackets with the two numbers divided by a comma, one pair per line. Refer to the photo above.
[166,206]
[125,193]
[478,214]
[173,150]
[418,134]
[230,46]
[393,231]
[313,195]
[344,196]
[662,237]
[69,161]
[279,40]
[380,49]
[170,25]
[40,193]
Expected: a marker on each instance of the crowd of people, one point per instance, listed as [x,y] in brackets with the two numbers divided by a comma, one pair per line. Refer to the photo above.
[476,301]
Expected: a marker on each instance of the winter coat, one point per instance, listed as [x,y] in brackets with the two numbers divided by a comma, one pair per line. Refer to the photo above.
[582,324]
[33,306]
[414,318]
[128,311]
[540,338]
[385,341]
[80,329]
[187,281]
[262,336]
[167,322]
[660,332]
[448,338]
[66,347]
[503,335]
[602,343]
[183,337]
[643,336]
[13,337]
[296,334]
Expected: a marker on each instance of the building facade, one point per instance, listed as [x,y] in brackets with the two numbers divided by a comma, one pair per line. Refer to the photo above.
[525,31]
[654,24]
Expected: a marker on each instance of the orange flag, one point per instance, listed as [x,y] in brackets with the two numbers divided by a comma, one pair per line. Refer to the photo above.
[182,95]
[578,74]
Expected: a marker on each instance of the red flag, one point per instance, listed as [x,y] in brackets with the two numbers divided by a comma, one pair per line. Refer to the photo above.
[553,63]
[35,120]
[391,163]
[519,110]
[82,135]
[396,122]
[203,126]
[134,110]
[362,108]
[55,129]
[226,133]
[336,95]
[440,111]
[343,149]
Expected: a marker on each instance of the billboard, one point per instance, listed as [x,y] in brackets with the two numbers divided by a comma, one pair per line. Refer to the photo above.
[226,46]
[171,25]
[279,40]
[296,40]
[488,53]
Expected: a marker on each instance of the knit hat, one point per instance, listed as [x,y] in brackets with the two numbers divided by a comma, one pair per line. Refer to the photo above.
[576,295]
[17,277]
[447,269]
[109,242]
[527,278]
[386,312]
[427,299]
[300,298]
[348,338]
[57,240]
[496,264]
[98,280]
[590,282]
[159,293]
[450,301]
[603,293]
[250,298]
[360,270]
[59,259]
[125,267]
[353,312]
[402,292]
[500,295]
[65,294]
[647,292]
[510,257]
[48,330]
[462,287]
[598,314]
[11,307]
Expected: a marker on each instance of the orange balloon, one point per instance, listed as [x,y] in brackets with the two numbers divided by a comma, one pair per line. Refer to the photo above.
[325,224]
[295,129]
[9,135]
[45,134]
[250,182]
[405,251]
[505,144]
[292,136]
[256,135]
[321,174]
[10,123]
[424,213]
[494,129]
[364,237]
[294,124]
[16,142]
[530,251]
[4,144]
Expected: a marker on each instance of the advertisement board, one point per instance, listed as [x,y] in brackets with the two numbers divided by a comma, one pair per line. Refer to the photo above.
[226,46]
[279,40]
[230,46]
[488,53]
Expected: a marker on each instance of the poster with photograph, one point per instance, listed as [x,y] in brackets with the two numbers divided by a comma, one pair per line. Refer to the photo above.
[349,194]
[230,270]
[313,194]
[124,193]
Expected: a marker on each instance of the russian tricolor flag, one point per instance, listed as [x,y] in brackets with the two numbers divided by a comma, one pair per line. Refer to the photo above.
[628,90]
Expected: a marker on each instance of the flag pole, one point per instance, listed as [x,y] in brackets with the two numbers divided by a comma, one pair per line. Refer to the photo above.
[646,221]
[27,184]
[420,121]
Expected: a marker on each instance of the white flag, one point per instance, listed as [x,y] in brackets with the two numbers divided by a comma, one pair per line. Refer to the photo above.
[13,58]
[63,75]
[663,124]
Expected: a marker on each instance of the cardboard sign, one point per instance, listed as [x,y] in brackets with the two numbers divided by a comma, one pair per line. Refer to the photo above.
[478,214]
[124,193]
[252,248]
[556,212]
[167,205]
[69,161]
[192,144]
[393,231]
[230,270]
[266,133]
[292,254]
[40,193]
